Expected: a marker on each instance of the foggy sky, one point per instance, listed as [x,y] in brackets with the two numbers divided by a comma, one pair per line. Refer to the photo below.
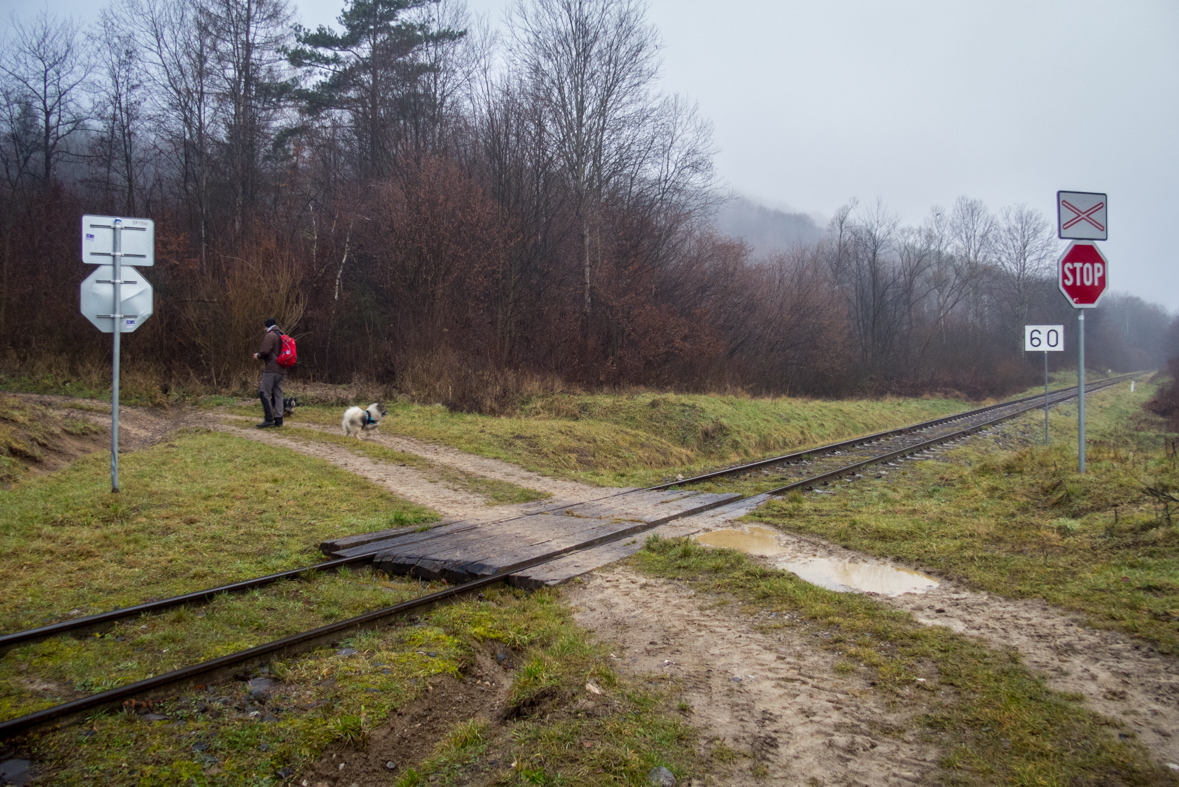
[915,103]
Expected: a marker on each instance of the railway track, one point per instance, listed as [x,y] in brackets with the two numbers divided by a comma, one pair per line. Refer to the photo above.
[818,466]
[778,475]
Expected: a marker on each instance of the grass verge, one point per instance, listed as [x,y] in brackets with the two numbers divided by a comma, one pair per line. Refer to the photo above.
[300,718]
[1014,517]
[497,492]
[995,721]
[637,440]
[201,510]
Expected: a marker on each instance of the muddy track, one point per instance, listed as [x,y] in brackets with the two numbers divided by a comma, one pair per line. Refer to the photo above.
[794,717]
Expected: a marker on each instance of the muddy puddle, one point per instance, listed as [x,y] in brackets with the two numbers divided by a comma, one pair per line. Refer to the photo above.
[841,575]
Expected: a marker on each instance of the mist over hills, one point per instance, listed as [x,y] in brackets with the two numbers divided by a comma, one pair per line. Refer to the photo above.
[766,230]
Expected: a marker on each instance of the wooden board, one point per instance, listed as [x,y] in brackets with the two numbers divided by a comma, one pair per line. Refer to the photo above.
[576,563]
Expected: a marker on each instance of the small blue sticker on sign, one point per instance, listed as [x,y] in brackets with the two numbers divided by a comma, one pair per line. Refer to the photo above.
[130,322]
[89,236]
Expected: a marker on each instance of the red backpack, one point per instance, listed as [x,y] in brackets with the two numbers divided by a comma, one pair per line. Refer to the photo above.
[287,355]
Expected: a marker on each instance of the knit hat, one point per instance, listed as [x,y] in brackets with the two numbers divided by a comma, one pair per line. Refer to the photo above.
[271,323]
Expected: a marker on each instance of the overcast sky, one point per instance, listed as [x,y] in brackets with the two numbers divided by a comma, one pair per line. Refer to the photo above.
[916,102]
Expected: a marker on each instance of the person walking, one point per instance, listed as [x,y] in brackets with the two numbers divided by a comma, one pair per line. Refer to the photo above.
[270,387]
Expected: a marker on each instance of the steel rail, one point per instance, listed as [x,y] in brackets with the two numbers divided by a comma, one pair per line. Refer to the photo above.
[100,620]
[308,639]
[1036,400]
[304,641]
[827,477]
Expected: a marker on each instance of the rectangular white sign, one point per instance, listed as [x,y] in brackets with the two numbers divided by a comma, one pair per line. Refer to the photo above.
[1043,338]
[1082,215]
[138,240]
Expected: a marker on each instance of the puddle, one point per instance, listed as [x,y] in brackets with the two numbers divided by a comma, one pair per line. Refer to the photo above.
[841,575]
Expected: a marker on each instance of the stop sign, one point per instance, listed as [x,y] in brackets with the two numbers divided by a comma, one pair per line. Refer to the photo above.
[1084,274]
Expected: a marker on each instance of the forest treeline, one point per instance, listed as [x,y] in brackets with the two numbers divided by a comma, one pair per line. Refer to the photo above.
[461,213]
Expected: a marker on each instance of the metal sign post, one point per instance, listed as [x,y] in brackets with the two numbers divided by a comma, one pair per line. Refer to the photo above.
[128,308]
[1081,392]
[1045,339]
[1082,216]
[117,256]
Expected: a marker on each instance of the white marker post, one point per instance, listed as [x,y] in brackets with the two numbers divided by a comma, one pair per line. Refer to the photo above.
[1045,339]
[132,240]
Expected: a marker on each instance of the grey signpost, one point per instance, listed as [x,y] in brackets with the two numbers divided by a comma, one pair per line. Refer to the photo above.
[1082,216]
[114,304]
[1045,339]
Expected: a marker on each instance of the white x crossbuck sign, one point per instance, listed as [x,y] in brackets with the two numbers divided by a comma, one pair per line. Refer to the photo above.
[1082,215]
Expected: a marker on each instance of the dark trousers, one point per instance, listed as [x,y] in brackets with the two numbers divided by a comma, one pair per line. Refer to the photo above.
[270,392]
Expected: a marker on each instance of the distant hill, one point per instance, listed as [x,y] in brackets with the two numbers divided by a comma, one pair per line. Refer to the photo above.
[766,230]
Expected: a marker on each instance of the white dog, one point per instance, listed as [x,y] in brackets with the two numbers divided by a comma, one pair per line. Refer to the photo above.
[357,421]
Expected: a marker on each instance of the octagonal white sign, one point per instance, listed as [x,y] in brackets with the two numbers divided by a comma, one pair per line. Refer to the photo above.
[98,296]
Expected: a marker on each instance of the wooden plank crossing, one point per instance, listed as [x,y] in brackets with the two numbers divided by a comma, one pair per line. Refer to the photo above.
[584,537]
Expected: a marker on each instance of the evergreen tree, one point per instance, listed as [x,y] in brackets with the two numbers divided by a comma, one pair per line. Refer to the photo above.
[374,75]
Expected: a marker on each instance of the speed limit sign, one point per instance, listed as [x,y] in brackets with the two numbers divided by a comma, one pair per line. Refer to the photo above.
[1043,338]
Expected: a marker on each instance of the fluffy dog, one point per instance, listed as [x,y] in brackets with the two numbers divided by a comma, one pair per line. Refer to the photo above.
[357,421]
[288,406]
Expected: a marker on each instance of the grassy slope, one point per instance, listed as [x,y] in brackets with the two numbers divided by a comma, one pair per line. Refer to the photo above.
[202,510]
[640,439]
[27,431]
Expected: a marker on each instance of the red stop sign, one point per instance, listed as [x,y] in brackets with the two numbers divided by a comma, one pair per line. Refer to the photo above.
[1084,274]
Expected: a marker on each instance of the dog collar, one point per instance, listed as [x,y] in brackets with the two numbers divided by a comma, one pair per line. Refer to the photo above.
[368,418]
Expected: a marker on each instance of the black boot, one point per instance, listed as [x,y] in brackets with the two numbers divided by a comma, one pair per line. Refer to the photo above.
[268,419]
[278,421]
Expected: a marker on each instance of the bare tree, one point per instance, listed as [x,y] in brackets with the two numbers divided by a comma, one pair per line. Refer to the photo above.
[177,51]
[44,72]
[591,65]
[121,115]
[951,278]
[876,288]
[47,69]
[1024,248]
[247,36]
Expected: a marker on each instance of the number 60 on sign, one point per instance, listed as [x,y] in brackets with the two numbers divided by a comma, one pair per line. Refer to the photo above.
[1043,338]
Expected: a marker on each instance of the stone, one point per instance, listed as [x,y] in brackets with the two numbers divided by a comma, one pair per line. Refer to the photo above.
[259,686]
[390,765]
[347,652]
[661,777]
[16,772]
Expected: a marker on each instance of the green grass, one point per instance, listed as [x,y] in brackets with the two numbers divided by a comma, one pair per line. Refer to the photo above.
[497,492]
[1024,523]
[208,508]
[201,510]
[995,722]
[636,440]
[57,670]
[551,738]
[222,736]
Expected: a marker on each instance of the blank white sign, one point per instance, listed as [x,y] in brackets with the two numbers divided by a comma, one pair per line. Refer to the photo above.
[138,241]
